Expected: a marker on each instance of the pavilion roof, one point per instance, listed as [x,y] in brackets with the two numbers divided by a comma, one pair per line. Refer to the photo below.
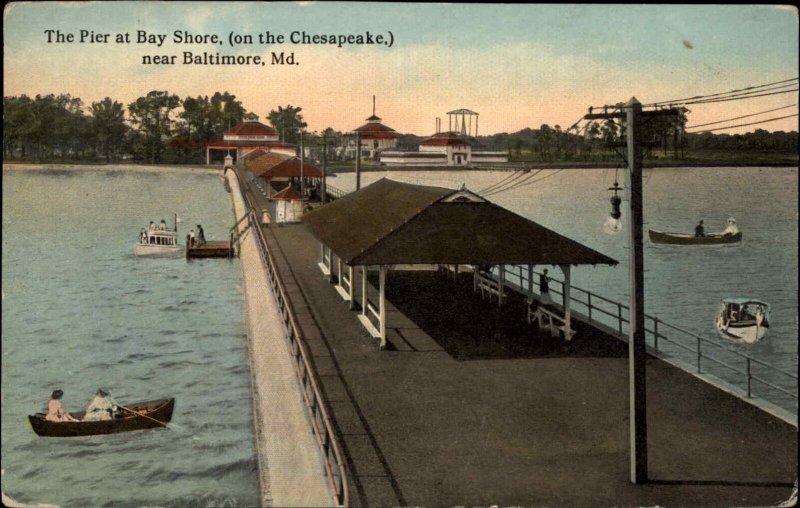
[446,139]
[390,222]
[375,130]
[288,194]
[251,128]
[277,165]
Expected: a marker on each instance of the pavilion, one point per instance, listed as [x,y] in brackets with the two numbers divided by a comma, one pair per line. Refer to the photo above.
[375,136]
[247,137]
[390,223]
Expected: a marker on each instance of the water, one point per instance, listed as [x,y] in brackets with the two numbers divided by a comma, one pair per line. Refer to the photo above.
[683,285]
[80,311]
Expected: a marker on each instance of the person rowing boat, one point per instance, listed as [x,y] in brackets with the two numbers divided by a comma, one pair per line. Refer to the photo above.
[100,408]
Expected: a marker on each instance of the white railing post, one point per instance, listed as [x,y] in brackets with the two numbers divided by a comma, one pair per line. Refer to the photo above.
[350,287]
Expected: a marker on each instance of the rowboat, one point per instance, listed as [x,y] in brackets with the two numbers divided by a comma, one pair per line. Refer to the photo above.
[742,319]
[684,239]
[142,415]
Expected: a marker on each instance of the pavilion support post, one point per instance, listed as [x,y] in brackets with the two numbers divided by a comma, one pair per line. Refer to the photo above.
[338,271]
[382,303]
[501,285]
[475,278]
[208,156]
[364,270]
[350,288]
[567,298]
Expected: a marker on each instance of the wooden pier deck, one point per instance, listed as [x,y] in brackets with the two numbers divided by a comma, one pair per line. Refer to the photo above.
[469,406]
[210,250]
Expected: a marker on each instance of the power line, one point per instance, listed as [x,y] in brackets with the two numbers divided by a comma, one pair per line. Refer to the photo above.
[718,94]
[512,185]
[744,124]
[740,117]
[740,97]
[530,182]
[513,176]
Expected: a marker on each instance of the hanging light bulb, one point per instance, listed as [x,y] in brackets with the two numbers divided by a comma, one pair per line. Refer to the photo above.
[613,224]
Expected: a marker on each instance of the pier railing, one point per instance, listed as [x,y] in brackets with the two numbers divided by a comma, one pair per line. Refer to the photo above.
[742,371]
[320,420]
[333,192]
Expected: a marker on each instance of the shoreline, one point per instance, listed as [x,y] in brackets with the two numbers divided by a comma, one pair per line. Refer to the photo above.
[512,166]
[137,168]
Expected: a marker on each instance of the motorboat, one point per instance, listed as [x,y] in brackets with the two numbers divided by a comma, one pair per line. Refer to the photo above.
[731,235]
[158,240]
[743,319]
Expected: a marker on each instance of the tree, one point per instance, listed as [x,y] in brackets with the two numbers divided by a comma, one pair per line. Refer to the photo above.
[108,126]
[150,116]
[288,122]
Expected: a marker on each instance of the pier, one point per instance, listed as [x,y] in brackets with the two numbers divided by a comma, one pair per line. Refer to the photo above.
[470,405]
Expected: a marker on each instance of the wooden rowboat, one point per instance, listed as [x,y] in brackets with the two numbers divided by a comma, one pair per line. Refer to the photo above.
[684,239]
[157,413]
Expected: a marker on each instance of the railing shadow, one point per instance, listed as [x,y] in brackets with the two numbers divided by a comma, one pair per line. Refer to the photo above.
[721,483]
[468,327]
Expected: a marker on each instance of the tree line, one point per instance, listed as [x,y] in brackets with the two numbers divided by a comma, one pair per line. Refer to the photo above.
[155,128]
[160,127]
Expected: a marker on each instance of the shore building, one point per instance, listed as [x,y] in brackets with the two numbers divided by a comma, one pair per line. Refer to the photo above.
[458,146]
[247,137]
[375,136]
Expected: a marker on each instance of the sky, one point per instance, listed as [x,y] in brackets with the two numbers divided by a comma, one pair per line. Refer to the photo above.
[516,65]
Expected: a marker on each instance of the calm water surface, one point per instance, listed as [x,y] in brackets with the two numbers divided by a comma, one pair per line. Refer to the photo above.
[81,311]
[683,285]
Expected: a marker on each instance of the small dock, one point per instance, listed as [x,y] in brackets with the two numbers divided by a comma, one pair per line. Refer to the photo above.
[210,250]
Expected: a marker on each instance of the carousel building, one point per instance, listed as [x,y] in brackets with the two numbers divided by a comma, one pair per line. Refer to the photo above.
[375,136]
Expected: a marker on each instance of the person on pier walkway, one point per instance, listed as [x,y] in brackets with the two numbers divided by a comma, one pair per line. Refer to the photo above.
[191,238]
[163,225]
[100,408]
[201,237]
[544,286]
[152,226]
[56,411]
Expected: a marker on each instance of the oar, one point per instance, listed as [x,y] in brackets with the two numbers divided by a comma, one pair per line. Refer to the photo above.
[165,424]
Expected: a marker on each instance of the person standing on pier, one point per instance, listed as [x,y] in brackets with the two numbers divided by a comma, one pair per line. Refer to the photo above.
[201,237]
[152,226]
[191,238]
[544,286]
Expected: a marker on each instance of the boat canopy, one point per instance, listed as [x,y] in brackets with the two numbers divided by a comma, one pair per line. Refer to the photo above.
[744,301]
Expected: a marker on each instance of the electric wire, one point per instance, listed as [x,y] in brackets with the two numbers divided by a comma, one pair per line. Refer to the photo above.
[740,97]
[744,124]
[676,101]
[740,117]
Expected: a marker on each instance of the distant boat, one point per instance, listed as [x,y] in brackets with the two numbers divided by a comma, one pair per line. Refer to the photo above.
[743,319]
[159,241]
[729,236]
[151,415]
[687,239]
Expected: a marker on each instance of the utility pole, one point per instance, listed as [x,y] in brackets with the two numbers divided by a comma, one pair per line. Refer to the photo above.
[302,176]
[324,167]
[358,160]
[637,355]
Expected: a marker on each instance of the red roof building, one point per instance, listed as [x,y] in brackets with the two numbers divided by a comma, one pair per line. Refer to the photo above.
[376,136]
[247,137]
